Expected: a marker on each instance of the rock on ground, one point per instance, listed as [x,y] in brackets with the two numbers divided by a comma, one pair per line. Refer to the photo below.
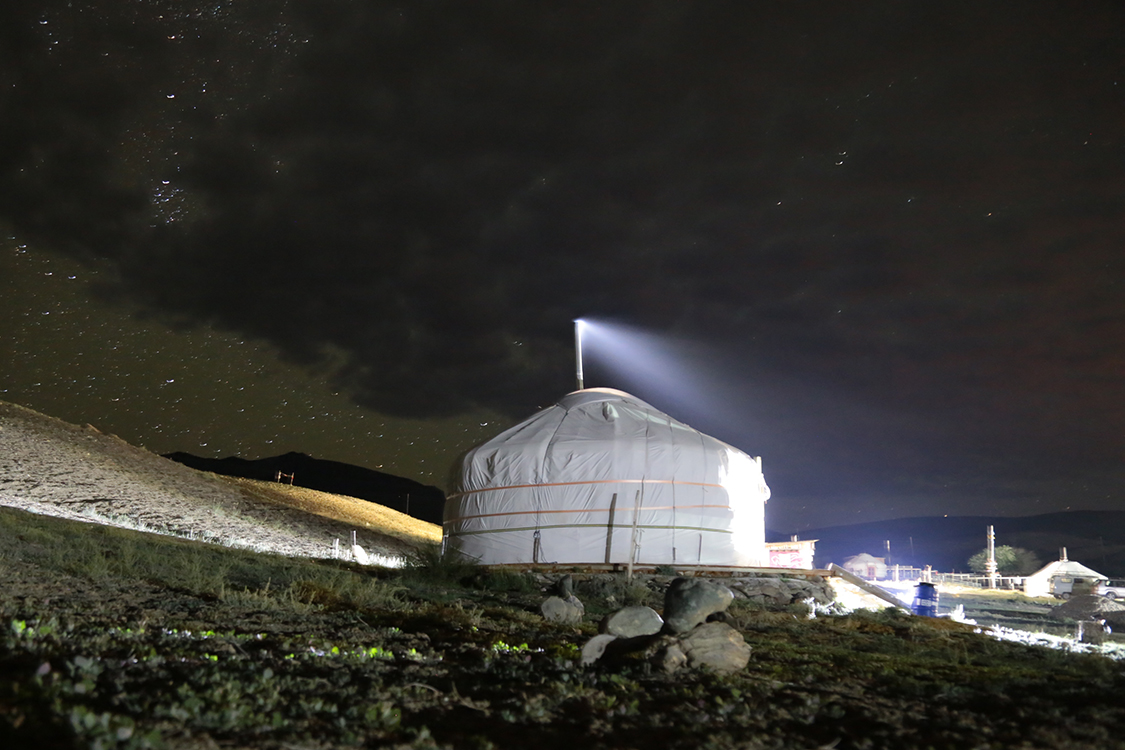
[568,611]
[595,648]
[717,646]
[688,602]
[671,658]
[778,590]
[564,587]
[631,622]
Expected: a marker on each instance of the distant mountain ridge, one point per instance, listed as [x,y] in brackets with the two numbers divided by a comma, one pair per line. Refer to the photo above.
[421,501]
[1094,538]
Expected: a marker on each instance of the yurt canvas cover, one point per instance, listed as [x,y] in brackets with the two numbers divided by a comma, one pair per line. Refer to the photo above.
[602,474]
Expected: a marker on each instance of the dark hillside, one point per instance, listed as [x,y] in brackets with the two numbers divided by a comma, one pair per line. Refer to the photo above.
[405,495]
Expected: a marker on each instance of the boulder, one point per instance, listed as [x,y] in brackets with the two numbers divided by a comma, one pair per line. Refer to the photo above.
[595,648]
[670,659]
[568,611]
[714,645]
[564,587]
[717,646]
[688,602]
[782,591]
[726,617]
[632,622]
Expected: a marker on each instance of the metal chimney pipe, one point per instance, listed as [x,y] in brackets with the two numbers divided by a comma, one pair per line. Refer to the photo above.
[578,351]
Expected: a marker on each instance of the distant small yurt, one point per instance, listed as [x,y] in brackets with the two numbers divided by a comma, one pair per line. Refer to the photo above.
[602,476]
[866,566]
[1058,578]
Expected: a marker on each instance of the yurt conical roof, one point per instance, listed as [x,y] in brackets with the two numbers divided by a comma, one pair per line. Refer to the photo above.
[600,477]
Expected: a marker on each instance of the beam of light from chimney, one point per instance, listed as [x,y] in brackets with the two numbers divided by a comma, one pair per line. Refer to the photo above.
[654,367]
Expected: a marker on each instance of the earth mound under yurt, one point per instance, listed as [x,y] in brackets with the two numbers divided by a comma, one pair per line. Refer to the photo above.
[602,476]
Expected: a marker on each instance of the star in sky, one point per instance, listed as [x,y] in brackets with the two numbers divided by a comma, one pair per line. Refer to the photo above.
[83,359]
[897,225]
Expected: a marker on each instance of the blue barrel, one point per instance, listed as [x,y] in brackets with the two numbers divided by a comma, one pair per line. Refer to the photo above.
[925,600]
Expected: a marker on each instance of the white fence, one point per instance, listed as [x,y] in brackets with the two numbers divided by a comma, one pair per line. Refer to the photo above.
[978,580]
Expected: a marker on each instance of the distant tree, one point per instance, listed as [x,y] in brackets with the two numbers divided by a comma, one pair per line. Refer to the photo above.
[1010,561]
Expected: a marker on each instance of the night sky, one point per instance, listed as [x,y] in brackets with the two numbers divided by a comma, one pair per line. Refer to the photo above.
[885,242]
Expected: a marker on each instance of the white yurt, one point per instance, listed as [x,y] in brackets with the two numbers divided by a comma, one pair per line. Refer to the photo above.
[1058,573]
[602,476]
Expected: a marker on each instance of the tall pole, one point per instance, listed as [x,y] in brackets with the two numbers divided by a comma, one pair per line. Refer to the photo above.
[990,566]
[578,352]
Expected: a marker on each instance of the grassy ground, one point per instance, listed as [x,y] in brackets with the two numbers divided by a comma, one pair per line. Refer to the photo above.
[112,638]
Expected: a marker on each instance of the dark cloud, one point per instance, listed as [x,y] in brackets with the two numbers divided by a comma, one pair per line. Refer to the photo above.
[914,210]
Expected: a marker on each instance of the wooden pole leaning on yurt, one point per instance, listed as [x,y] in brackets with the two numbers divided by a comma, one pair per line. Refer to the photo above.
[633,540]
[609,530]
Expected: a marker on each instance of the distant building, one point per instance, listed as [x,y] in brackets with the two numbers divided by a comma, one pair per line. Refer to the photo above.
[866,566]
[792,554]
[1061,578]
